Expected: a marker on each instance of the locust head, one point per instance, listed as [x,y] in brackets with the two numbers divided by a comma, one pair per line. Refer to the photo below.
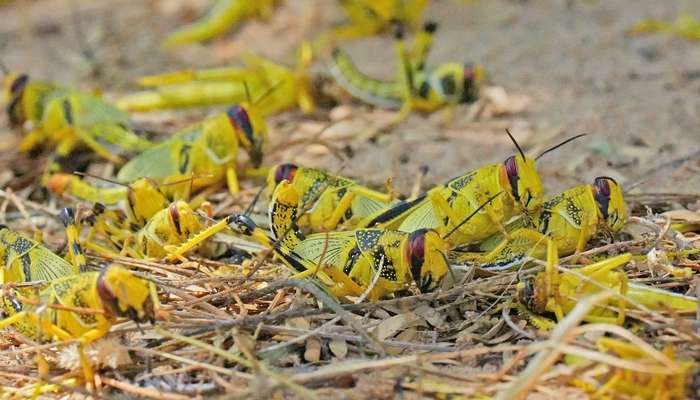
[473,77]
[531,293]
[126,295]
[424,252]
[523,182]
[14,90]
[611,204]
[251,131]
[457,83]
[279,173]
[182,219]
[520,178]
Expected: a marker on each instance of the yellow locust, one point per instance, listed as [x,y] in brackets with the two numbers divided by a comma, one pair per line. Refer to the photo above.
[558,292]
[206,152]
[330,199]
[414,87]
[82,306]
[369,17]
[66,118]
[222,16]
[274,86]
[444,206]
[569,219]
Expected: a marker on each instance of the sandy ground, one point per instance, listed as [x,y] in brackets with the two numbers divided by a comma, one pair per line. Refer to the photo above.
[573,58]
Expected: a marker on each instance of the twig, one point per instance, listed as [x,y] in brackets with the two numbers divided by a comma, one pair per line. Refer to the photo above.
[144,392]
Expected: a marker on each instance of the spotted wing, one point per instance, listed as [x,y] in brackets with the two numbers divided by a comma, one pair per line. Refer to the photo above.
[364,206]
[423,216]
[329,246]
[47,266]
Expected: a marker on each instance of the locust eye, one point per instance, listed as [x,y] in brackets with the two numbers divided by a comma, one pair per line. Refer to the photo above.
[601,193]
[67,216]
[175,217]
[245,224]
[239,119]
[105,292]
[513,176]
[511,166]
[18,84]
[415,252]
[285,172]
[469,73]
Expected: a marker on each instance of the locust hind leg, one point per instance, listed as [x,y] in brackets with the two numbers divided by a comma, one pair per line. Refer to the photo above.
[232,180]
[32,140]
[177,252]
[343,205]
[85,339]
[602,273]
[77,257]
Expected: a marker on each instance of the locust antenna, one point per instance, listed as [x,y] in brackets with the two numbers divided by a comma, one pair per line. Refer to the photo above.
[464,221]
[268,92]
[250,207]
[559,145]
[188,179]
[247,92]
[517,146]
[89,175]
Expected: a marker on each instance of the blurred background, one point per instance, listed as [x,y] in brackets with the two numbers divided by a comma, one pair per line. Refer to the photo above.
[555,69]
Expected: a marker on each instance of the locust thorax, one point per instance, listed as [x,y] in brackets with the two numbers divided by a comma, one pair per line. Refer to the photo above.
[144,200]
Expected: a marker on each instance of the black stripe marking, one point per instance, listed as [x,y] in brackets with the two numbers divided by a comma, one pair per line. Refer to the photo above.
[395,211]
[67,111]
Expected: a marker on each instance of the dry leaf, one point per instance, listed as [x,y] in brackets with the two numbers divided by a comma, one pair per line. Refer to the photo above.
[683,215]
[298,323]
[339,348]
[499,102]
[428,313]
[103,353]
[390,327]
[313,350]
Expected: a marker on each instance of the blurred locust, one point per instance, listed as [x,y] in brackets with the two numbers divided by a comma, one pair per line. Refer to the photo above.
[444,206]
[66,118]
[569,219]
[685,25]
[82,306]
[275,87]
[222,16]
[206,152]
[330,199]
[662,376]
[415,87]
[369,17]
[26,260]
[557,292]
[141,199]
